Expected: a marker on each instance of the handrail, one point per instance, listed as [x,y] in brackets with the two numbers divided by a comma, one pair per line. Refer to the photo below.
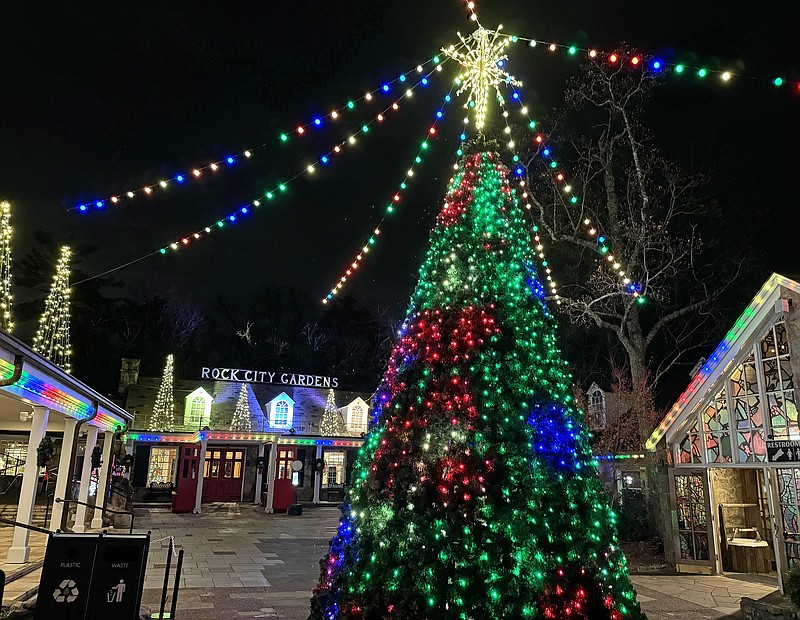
[102,509]
[11,484]
[120,491]
[26,526]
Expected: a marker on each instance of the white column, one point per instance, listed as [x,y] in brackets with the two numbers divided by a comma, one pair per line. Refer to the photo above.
[201,468]
[86,479]
[103,481]
[64,478]
[273,464]
[20,550]
[259,474]
[317,476]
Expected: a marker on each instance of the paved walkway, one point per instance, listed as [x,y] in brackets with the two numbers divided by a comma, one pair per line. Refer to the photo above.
[694,596]
[242,563]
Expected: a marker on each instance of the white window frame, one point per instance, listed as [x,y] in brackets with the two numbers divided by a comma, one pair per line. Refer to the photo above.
[205,418]
[273,410]
[358,402]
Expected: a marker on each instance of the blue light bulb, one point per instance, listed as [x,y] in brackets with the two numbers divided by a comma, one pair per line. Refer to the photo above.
[402,78]
[230,160]
[83,208]
[546,152]
[179,178]
[386,88]
[318,121]
[324,159]
[424,81]
[99,204]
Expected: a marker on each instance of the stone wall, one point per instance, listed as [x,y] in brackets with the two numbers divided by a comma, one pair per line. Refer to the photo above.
[772,607]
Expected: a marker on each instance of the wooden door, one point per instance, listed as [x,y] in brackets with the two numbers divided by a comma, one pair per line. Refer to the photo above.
[284,491]
[186,489]
[222,477]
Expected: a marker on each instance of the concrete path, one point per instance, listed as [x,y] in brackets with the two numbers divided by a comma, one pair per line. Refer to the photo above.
[694,596]
[242,563]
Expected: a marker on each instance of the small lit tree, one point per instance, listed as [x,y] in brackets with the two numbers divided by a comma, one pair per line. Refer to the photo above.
[163,417]
[332,424]
[52,338]
[6,299]
[241,416]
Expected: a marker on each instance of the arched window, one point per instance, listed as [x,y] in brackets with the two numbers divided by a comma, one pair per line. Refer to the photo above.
[281,411]
[197,411]
[357,418]
[281,414]
[597,397]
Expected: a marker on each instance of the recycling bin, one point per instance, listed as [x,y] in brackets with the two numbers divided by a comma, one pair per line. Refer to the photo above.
[92,576]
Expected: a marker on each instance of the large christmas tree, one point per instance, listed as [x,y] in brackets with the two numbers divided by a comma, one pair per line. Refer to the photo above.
[476,496]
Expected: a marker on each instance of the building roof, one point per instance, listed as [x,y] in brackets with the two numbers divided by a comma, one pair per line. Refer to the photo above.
[759,312]
[43,383]
[309,403]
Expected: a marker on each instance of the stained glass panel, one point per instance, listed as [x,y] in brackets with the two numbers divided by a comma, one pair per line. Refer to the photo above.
[692,518]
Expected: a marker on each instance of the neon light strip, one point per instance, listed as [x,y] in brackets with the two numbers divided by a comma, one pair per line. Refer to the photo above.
[653,62]
[215,166]
[233,436]
[35,389]
[721,356]
[390,208]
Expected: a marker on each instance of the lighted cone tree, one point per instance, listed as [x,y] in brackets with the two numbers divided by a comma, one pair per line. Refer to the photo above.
[476,495]
[52,338]
[6,298]
[332,424]
[241,415]
[163,416]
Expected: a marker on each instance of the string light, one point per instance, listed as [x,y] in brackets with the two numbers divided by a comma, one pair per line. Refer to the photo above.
[559,179]
[350,271]
[52,339]
[652,62]
[275,191]
[332,424]
[230,160]
[6,297]
[242,420]
[163,417]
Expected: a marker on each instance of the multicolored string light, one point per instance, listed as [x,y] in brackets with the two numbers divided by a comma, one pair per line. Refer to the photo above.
[281,187]
[560,179]
[656,63]
[197,172]
[391,207]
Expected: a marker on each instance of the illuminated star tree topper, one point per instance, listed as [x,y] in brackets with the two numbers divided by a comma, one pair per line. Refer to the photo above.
[482,58]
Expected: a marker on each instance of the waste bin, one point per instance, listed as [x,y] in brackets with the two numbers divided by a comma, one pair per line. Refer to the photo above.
[92,576]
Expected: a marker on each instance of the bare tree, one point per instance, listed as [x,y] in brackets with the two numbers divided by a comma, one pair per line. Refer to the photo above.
[628,209]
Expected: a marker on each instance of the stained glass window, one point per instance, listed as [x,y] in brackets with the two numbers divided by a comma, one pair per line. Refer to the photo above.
[692,519]
[715,421]
[789,496]
[689,448]
[748,416]
[779,383]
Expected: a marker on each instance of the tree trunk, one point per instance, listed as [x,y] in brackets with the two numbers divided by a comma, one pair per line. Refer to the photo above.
[636,347]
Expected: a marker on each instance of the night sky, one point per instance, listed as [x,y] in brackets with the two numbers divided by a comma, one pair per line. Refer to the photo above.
[101,98]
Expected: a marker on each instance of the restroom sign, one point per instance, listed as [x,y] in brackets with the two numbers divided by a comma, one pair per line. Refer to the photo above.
[783,451]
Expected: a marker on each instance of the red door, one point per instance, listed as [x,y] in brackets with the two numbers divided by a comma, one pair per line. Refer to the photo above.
[222,476]
[186,490]
[284,491]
